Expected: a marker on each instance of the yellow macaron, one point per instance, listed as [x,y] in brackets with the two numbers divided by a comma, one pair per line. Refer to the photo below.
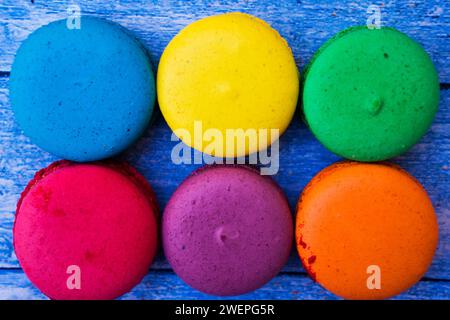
[229,71]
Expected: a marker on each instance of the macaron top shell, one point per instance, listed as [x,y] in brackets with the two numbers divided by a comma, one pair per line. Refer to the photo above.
[370,95]
[82,94]
[100,218]
[229,71]
[227,230]
[353,218]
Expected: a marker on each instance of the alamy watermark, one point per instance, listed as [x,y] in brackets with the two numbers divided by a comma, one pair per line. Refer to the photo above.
[73,281]
[374,280]
[374,19]
[73,20]
[263,145]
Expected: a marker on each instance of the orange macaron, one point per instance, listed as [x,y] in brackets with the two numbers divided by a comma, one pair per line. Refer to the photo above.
[365,230]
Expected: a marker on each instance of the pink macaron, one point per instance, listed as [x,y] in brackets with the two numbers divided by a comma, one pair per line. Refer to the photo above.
[86,231]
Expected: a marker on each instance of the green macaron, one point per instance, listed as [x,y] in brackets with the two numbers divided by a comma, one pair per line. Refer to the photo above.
[370,95]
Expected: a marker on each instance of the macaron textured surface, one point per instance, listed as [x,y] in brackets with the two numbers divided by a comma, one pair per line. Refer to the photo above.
[227,230]
[100,218]
[82,94]
[370,95]
[229,71]
[365,231]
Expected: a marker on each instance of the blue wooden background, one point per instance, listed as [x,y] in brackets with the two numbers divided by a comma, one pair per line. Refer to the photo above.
[305,25]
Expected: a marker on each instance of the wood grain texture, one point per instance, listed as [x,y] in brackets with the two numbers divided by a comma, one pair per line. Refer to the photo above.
[305,24]
[166,285]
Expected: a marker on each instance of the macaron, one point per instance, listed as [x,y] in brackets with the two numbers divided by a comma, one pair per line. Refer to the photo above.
[227,230]
[86,231]
[365,231]
[227,72]
[82,94]
[370,95]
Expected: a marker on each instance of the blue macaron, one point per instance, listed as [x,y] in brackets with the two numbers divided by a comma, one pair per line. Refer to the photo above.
[82,94]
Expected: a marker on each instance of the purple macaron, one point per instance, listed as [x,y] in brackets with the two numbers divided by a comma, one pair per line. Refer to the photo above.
[227,230]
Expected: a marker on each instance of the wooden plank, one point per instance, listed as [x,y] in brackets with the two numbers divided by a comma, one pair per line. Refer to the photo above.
[301,158]
[305,24]
[166,285]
